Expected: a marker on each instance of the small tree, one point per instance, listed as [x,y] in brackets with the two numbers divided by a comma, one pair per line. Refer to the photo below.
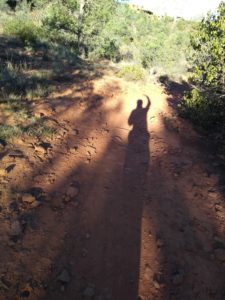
[205,104]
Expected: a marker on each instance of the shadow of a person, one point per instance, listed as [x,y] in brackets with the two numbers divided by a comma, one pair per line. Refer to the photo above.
[137,153]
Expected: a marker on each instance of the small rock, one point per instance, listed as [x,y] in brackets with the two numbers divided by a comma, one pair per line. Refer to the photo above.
[2,172]
[148,272]
[64,276]
[62,288]
[10,168]
[14,206]
[220,255]
[158,280]
[218,208]
[35,204]
[28,198]
[159,243]
[89,292]
[39,149]
[87,236]
[16,228]
[25,294]
[16,153]
[84,252]
[3,285]
[178,278]
[45,146]
[72,192]
[3,143]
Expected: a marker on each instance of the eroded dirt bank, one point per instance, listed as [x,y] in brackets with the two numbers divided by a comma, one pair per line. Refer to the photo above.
[105,210]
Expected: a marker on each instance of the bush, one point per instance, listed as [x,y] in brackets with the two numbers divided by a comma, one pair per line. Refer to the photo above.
[24,29]
[204,109]
[60,23]
[205,105]
[132,72]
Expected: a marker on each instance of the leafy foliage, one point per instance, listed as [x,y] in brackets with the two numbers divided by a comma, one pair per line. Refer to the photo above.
[205,105]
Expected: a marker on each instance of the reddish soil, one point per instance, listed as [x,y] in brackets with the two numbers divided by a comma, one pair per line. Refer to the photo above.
[121,212]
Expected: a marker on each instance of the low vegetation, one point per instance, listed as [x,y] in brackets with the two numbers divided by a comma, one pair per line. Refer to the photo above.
[204,105]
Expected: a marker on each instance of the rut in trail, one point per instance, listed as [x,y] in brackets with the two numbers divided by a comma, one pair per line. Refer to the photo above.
[129,211]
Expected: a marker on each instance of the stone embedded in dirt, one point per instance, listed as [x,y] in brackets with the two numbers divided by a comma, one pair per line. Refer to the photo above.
[148,272]
[89,291]
[178,278]
[84,252]
[13,206]
[28,198]
[45,145]
[72,192]
[4,285]
[10,168]
[158,280]
[38,193]
[16,229]
[35,204]
[159,243]
[156,284]
[87,236]
[25,294]
[218,208]
[39,149]
[2,172]
[16,153]
[64,276]
[76,131]
[220,254]
[3,143]
[62,288]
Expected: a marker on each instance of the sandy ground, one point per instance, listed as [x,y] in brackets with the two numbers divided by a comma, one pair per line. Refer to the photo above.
[111,210]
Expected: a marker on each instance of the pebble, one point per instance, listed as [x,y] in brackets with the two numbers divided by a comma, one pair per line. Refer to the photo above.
[36,204]
[87,236]
[160,243]
[2,172]
[158,280]
[16,153]
[28,198]
[14,206]
[84,252]
[220,254]
[16,228]
[148,272]
[3,143]
[10,168]
[64,276]
[40,149]
[72,191]
[89,292]
[178,278]
[62,288]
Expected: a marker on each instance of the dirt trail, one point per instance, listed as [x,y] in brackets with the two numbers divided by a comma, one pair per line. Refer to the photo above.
[123,212]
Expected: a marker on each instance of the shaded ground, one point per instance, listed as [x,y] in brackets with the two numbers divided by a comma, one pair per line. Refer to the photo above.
[110,210]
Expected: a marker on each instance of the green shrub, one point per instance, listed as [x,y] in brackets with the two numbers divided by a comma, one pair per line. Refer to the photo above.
[24,29]
[132,72]
[205,105]
[204,109]
[60,23]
